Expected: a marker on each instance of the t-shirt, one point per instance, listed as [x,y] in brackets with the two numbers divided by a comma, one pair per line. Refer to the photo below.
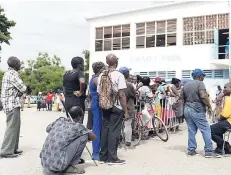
[49,97]
[226,111]
[145,92]
[118,82]
[191,93]
[71,81]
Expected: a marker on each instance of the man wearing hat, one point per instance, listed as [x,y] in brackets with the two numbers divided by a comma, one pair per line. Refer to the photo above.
[130,97]
[195,102]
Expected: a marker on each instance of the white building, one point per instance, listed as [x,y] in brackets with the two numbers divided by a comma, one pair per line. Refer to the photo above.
[168,40]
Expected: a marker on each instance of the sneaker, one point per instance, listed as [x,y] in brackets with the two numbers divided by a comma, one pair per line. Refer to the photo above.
[117,162]
[218,150]
[193,153]
[212,155]
[18,152]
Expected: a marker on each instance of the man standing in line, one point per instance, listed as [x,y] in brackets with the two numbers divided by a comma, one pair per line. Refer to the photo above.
[74,85]
[12,90]
[113,116]
[130,97]
[195,102]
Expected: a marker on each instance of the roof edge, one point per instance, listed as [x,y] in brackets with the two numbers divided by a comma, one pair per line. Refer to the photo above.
[137,10]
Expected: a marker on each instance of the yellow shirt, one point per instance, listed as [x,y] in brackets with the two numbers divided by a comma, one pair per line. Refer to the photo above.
[226,111]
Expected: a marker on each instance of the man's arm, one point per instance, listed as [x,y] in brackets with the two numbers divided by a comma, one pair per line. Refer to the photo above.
[204,95]
[205,98]
[82,83]
[122,97]
[18,83]
[123,101]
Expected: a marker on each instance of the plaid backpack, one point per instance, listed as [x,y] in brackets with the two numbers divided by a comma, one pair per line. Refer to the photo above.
[106,92]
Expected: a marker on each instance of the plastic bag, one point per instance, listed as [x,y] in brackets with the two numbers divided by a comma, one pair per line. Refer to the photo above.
[146,117]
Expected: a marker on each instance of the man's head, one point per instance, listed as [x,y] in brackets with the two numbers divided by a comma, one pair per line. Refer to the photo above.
[146,81]
[76,114]
[198,74]
[125,72]
[219,88]
[112,60]
[134,79]
[227,89]
[98,67]
[77,63]
[176,82]
[14,63]
[138,78]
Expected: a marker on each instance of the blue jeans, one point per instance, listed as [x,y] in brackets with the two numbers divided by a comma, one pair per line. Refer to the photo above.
[195,121]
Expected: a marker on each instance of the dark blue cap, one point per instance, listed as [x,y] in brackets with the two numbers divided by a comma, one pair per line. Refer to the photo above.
[198,72]
[124,70]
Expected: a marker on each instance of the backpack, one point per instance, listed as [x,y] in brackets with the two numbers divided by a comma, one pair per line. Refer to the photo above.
[106,92]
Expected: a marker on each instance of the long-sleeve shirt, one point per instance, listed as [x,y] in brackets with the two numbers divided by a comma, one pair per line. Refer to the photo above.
[12,89]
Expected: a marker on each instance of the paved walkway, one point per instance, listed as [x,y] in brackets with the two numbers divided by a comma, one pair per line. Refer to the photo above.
[151,157]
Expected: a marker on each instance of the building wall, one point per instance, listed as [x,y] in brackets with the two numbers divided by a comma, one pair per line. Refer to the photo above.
[177,57]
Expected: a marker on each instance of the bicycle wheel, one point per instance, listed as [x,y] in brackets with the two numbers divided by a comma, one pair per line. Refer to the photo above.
[160,128]
[136,132]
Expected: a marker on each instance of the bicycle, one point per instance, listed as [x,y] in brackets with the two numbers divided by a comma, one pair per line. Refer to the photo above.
[157,125]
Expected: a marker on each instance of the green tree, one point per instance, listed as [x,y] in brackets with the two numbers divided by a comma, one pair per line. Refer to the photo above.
[1,76]
[43,74]
[86,54]
[5,26]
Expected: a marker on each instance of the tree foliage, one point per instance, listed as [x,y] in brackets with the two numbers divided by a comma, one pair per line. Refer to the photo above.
[43,74]
[5,26]
[86,54]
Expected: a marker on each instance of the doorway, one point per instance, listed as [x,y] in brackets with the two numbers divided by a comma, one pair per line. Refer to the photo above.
[223,43]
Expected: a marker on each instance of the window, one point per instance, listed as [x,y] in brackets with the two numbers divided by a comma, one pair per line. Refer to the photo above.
[152,75]
[208,73]
[156,34]
[218,73]
[162,74]
[186,74]
[112,38]
[200,29]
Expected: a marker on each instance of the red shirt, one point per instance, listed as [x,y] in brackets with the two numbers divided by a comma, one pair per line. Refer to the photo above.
[49,97]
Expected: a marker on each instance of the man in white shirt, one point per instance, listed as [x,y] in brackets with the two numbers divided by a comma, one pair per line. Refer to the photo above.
[113,117]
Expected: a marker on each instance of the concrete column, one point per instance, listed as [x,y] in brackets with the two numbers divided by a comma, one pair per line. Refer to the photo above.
[179,31]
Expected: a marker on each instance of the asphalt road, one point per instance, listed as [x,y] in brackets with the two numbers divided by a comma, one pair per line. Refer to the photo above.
[150,157]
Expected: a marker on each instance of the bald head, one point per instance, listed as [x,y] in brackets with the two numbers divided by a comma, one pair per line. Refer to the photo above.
[112,60]
[227,89]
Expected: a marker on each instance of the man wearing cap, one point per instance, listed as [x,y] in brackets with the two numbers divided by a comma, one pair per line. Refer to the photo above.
[130,97]
[195,102]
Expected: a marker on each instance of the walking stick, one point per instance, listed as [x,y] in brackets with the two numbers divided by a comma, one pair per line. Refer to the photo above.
[69,116]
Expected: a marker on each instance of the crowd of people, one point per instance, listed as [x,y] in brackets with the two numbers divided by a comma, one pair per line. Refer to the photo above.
[113,96]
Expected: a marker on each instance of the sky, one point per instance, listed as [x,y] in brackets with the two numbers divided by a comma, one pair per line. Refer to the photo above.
[56,27]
